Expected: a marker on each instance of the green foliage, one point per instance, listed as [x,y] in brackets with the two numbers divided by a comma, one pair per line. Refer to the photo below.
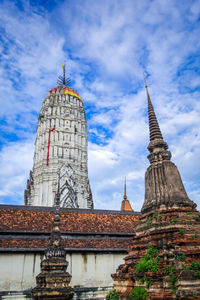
[181,231]
[138,293]
[41,116]
[185,267]
[195,266]
[149,220]
[171,272]
[148,264]
[194,295]
[180,256]
[173,221]
[189,213]
[112,295]
[163,215]
[197,274]
[151,250]
[155,216]
[193,236]
[145,279]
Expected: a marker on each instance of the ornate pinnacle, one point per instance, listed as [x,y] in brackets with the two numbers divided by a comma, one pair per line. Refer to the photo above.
[62,80]
[156,138]
[154,129]
[125,197]
[55,247]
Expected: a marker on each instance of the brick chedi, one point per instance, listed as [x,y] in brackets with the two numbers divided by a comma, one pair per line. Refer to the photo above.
[164,256]
[53,281]
[60,147]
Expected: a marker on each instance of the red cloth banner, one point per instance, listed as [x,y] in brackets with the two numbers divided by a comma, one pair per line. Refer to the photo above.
[50,130]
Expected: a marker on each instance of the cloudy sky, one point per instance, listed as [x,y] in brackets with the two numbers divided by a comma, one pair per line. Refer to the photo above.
[106,46]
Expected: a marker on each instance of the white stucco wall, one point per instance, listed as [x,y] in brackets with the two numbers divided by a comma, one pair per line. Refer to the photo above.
[18,271]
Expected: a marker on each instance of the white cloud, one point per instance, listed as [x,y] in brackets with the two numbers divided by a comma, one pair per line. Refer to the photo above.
[16,162]
[107,46]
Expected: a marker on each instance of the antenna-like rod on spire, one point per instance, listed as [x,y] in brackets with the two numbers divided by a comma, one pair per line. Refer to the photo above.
[145,80]
[62,80]
[125,196]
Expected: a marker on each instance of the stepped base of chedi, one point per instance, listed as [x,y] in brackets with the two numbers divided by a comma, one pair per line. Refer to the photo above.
[163,259]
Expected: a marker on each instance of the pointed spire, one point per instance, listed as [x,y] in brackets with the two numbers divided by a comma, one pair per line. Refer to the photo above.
[125,197]
[156,138]
[55,247]
[154,129]
[125,202]
[163,184]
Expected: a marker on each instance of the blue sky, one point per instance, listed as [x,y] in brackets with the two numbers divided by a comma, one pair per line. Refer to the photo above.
[106,46]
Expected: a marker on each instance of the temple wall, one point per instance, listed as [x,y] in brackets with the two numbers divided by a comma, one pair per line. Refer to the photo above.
[88,270]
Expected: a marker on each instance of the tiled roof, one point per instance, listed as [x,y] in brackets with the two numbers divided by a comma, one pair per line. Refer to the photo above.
[26,227]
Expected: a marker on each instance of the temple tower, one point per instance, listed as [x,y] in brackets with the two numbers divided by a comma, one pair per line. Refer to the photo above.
[60,148]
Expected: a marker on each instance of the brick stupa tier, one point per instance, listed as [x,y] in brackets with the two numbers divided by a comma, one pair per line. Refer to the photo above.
[176,236]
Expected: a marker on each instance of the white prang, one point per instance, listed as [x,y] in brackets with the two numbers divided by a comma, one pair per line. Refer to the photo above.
[67,154]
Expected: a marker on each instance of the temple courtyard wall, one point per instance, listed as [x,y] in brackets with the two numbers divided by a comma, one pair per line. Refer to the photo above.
[88,270]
